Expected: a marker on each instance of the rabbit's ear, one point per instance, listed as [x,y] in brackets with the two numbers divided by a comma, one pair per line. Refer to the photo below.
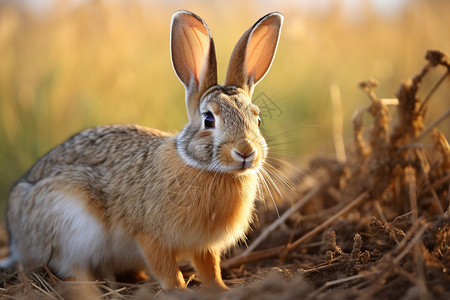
[254,52]
[193,53]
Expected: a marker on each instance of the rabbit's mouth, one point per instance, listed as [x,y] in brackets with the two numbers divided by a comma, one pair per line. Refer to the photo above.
[239,168]
[246,168]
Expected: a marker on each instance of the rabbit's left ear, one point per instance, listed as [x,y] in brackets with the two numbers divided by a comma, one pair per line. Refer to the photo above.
[254,53]
[193,55]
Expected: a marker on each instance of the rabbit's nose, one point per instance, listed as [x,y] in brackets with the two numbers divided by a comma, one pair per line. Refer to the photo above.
[240,156]
[244,151]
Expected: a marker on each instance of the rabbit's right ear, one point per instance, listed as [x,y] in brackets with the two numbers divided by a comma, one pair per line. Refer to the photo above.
[193,55]
[254,52]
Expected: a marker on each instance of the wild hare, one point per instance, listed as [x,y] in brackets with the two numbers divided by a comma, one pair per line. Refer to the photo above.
[124,198]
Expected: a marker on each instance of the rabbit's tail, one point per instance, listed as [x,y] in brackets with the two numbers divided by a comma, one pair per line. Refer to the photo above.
[7,263]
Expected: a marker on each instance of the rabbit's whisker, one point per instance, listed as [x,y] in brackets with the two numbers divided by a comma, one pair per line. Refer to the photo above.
[262,175]
[279,176]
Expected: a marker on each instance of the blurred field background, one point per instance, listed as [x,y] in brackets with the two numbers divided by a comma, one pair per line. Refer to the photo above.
[70,66]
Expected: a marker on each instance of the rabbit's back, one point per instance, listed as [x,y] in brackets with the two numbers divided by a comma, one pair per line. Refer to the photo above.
[102,147]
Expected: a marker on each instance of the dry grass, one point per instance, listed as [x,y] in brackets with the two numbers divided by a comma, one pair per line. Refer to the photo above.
[372,223]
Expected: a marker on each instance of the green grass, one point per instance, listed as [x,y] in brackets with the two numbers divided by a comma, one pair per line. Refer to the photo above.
[110,63]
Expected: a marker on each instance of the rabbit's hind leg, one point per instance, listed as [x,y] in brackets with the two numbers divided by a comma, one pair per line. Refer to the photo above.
[50,223]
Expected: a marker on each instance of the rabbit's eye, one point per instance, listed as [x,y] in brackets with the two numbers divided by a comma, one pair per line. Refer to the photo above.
[208,120]
[259,121]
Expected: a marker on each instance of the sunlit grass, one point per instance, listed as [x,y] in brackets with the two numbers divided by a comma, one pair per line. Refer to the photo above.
[110,63]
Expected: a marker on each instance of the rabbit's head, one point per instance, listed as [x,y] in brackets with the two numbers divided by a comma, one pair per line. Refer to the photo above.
[223,129]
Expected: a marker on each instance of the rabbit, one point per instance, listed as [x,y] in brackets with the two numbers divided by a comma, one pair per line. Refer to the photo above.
[125,198]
